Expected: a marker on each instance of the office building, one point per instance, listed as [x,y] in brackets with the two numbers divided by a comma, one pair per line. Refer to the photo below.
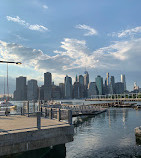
[32,90]
[99,84]
[56,92]
[68,87]
[123,81]
[92,89]
[62,90]
[119,88]
[47,85]
[20,93]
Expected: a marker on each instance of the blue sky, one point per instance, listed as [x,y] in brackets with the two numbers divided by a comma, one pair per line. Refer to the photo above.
[63,37]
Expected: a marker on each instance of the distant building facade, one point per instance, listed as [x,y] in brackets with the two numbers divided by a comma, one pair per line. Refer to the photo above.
[99,84]
[32,90]
[47,85]
[92,89]
[119,88]
[20,93]
[123,80]
[68,87]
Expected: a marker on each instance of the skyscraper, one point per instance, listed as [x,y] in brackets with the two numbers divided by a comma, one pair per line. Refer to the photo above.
[92,89]
[81,79]
[32,90]
[107,78]
[47,85]
[68,87]
[99,84]
[86,79]
[21,89]
[123,81]
[62,90]
[119,88]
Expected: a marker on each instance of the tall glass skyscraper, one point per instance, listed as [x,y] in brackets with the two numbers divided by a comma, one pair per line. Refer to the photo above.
[99,84]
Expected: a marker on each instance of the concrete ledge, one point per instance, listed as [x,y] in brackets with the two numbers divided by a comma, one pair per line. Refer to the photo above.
[24,141]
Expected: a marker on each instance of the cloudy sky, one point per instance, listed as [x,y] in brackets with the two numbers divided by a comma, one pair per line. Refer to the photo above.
[67,36]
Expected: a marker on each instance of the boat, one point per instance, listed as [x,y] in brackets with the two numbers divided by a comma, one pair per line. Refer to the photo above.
[6,104]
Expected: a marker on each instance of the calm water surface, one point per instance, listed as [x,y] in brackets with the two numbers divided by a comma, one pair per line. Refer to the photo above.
[110,134]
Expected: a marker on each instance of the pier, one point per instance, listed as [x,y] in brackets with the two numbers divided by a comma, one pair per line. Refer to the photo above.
[20,133]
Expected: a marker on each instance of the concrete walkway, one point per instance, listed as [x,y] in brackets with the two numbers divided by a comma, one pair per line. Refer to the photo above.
[13,124]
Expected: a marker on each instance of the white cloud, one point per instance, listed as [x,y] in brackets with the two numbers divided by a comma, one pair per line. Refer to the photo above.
[128,32]
[74,55]
[45,6]
[35,27]
[91,31]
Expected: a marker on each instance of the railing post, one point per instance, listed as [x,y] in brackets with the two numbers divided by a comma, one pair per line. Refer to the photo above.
[70,117]
[33,106]
[39,120]
[45,112]
[21,111]
[50,113]
[28,108]
[58,114]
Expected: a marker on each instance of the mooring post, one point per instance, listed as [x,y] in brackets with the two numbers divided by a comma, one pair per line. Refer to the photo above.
[28,108]
[33,106]
[58,114]
[70,117]
[45,112]
[21,111]
[50,113]
[39,120]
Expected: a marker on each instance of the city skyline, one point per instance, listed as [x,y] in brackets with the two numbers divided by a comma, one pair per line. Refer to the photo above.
[66,43]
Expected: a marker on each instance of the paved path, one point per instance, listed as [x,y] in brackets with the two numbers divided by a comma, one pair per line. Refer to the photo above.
[15,124]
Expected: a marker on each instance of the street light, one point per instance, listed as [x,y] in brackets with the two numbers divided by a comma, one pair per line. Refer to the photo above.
[9,62]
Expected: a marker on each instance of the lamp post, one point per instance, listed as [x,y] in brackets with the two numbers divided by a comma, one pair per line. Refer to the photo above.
[9,62]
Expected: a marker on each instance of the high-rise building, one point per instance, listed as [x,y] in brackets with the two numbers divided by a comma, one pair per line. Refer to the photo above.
[21,89]
[99,84]
[107,78]
[56,92]
[81,79]
[62,90]
[68,87]
[32,90]
[76,90]
[92,89]
[112,85]
[123,81]
[47,85]
[119,88]
[86,79]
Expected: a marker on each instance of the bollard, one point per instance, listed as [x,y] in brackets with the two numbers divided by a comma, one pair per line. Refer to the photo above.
[50,113]
[21,111]
[39,120]
[58,114]
[33,106]
[45,112]
[70,117]
[28,108]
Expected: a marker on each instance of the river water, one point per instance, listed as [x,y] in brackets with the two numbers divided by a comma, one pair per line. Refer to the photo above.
[108,135]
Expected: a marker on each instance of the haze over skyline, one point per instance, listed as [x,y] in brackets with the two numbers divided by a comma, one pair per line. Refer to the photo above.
[63,37]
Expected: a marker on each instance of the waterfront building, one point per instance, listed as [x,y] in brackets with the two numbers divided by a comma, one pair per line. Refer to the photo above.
[81,79]
[119,88]
[135,86]
[99,84]
[32,90]
[68,87]
[62,90]
[47,85]
[41,93]
[123,81]
[86,79]
[92,89]
[56,92]
[107,78]
[21,89]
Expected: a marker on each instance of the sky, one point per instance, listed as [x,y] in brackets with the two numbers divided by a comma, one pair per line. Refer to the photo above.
[67,37]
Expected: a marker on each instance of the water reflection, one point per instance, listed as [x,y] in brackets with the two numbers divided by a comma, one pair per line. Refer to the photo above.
[110,134]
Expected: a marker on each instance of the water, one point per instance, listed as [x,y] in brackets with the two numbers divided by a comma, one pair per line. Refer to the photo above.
[109,135]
